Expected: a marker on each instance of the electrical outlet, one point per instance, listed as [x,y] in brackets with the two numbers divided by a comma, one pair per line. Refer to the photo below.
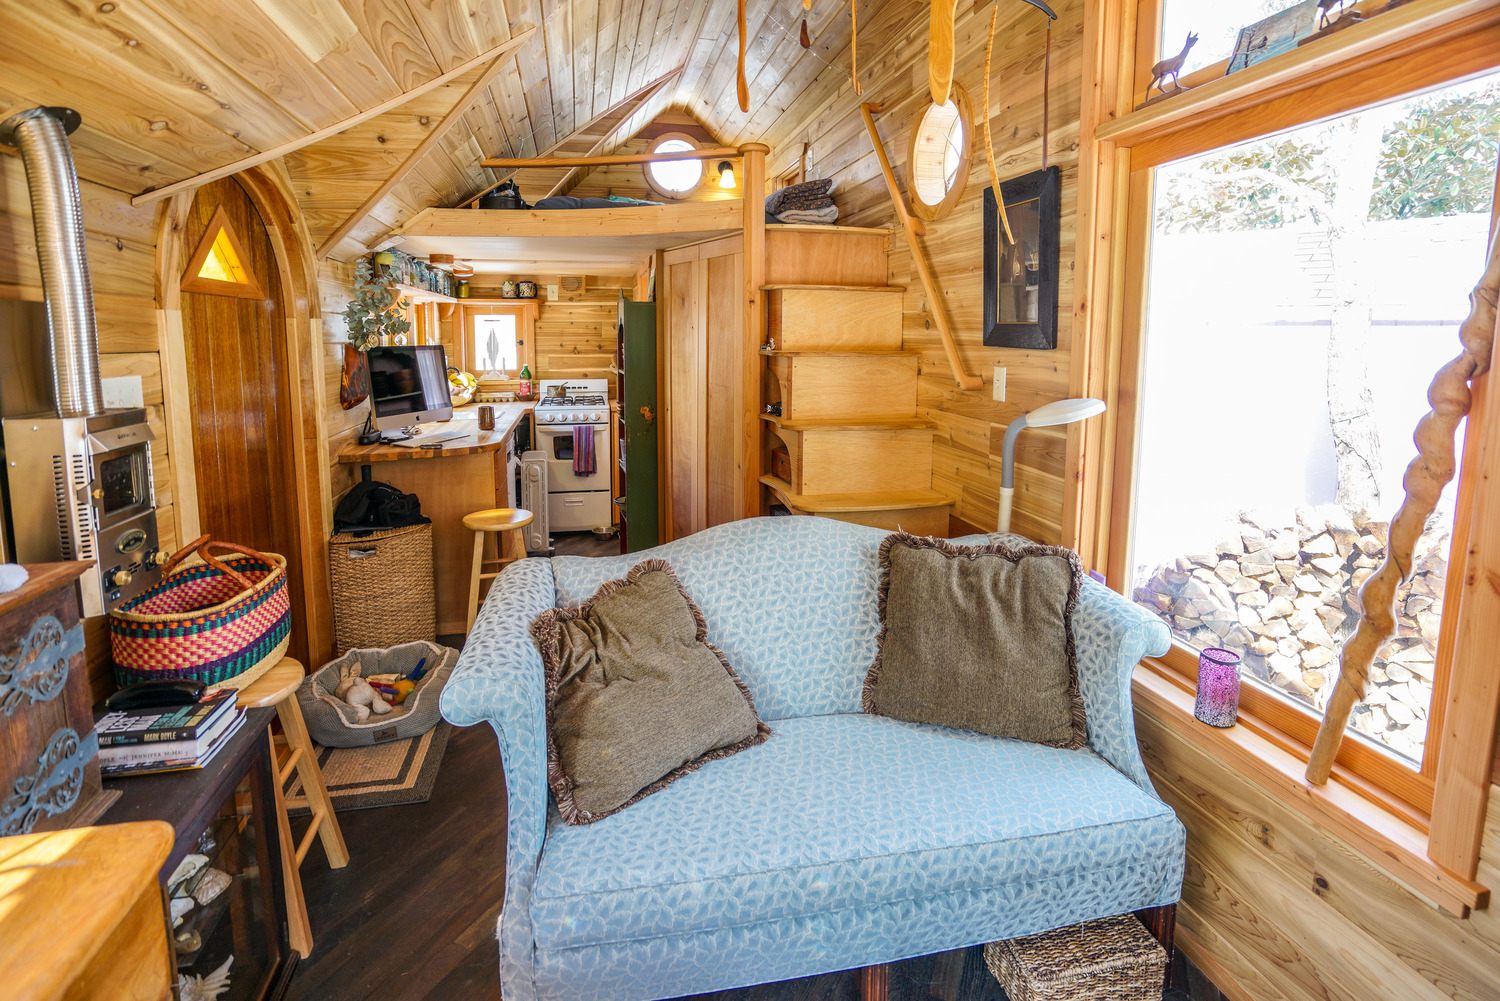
[1000,383]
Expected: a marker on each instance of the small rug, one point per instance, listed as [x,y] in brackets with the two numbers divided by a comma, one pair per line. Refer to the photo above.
[399,771]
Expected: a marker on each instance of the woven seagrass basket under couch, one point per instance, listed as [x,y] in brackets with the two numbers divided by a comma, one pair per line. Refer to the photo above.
[1111,959]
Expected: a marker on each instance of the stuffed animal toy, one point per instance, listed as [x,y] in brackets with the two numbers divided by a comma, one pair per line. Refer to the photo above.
[356,691]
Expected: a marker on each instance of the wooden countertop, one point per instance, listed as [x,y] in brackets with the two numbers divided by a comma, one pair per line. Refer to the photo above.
[507,416]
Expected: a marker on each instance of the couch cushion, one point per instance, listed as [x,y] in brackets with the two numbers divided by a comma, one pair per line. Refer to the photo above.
[979,638]
[848,811]
[635,697]
[790,601]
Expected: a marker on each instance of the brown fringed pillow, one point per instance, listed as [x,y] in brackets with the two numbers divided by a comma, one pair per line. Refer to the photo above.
[800,197]
[979,638]
[636,695]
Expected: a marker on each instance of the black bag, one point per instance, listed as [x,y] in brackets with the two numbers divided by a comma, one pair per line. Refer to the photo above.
[507,196]
[372,506]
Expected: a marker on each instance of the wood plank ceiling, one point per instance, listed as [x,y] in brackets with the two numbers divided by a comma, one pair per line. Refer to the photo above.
[170,88]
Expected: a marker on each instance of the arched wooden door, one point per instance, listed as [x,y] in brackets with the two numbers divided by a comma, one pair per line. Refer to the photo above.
[234,327]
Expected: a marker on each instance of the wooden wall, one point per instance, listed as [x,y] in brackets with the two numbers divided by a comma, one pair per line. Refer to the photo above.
[122,260]
[629,180]
[575,334]
[1273,907]
[966,450]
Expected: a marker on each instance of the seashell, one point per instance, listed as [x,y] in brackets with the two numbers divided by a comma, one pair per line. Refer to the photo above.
[180,907]
[191,987]
[189,941]
[213,883]
[187,869]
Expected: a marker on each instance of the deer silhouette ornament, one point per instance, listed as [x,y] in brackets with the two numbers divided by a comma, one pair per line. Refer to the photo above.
[1324,6]
[1171,67]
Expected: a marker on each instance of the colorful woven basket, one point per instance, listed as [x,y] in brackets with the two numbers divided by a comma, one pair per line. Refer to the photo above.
[223,622]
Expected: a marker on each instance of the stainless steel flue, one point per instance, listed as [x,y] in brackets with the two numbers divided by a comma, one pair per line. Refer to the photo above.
[41,134]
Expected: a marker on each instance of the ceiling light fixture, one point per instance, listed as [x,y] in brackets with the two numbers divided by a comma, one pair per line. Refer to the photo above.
[726,174]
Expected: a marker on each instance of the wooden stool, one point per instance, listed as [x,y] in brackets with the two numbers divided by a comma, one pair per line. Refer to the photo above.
[508,521]
[278,687]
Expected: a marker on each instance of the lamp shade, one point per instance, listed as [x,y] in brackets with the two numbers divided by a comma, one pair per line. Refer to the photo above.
[1064,412]
[726,174]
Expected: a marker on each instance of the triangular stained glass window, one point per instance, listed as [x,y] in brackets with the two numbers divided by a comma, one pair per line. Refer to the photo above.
[220,264]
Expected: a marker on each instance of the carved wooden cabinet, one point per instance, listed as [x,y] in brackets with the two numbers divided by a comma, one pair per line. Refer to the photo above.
[49,767]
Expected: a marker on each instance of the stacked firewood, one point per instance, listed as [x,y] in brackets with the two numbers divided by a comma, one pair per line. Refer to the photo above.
[1285,597]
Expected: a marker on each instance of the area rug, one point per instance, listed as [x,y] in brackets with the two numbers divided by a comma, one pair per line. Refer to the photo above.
[362,778]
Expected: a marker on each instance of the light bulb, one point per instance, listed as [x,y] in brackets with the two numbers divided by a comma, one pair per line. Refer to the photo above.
[726,174]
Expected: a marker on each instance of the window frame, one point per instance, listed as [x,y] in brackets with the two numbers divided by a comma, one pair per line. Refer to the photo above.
[524,313]
[1124,139]
[662,189]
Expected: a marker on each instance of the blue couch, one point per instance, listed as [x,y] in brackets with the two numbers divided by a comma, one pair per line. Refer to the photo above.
[843,841]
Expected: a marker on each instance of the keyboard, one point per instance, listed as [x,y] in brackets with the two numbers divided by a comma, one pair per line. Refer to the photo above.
[436,438]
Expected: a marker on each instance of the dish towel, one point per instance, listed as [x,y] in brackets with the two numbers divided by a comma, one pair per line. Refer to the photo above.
[583,450]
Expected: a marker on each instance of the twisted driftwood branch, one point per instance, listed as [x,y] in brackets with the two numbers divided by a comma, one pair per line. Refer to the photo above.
[1424,481]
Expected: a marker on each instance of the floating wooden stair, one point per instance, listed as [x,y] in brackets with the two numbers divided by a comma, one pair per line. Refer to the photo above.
[833,317]
[855,448]
[921,512]
[842,386]
[829,457]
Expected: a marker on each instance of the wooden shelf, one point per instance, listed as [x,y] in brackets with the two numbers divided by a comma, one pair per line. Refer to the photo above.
[896,500]
[416,294]
[814,353]
[835,288]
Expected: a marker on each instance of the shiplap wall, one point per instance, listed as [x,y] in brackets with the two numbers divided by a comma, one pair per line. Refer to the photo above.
[122,260]
[966,449]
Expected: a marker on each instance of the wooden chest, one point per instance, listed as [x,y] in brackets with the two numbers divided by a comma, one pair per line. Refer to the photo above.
[49,761]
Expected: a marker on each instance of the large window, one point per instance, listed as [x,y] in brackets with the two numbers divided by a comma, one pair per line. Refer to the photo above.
[495,340]
[1217,25]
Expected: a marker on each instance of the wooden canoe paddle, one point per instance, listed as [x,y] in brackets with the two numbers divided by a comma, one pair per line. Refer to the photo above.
[741,85]
[940,49]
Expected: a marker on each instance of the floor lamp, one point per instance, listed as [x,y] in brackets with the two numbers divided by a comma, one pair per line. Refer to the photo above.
[1046,416]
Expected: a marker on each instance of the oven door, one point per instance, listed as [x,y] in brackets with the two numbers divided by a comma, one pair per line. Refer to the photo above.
[557,442]
[121,487]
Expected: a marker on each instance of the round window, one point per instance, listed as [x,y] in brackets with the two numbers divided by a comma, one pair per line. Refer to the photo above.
[674,178]
[939,160]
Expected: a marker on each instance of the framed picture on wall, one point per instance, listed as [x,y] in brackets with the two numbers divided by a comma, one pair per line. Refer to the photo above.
[1020,278]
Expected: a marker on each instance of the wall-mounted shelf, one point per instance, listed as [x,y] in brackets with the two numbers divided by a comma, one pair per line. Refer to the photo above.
[416,294]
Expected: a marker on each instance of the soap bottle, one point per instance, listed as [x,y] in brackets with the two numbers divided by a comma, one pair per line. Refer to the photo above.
[524,390]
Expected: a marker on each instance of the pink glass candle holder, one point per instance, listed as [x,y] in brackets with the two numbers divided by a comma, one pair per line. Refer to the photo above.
[1218,702]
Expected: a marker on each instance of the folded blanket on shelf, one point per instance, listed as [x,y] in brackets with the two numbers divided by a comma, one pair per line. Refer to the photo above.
[800,197]
[826,215]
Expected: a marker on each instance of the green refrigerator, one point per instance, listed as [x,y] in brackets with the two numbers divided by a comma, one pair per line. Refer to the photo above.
[635,365]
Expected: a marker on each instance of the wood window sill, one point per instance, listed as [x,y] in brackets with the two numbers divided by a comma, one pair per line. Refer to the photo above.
[1391,842]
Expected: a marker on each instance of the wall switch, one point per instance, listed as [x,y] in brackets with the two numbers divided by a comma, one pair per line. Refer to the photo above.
[1000,383]
[552,293]
[123,391]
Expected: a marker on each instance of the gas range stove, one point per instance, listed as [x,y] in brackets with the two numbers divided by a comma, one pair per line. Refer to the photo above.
[584,401]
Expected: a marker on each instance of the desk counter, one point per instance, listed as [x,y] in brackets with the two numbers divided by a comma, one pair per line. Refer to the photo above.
[472,476]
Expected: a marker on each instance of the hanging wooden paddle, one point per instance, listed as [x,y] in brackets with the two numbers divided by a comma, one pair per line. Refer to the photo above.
[854,45]
[806,38]
[989,140]
[741,86]
[940,48]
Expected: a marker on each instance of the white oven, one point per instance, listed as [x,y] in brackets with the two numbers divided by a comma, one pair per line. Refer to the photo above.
[575,503]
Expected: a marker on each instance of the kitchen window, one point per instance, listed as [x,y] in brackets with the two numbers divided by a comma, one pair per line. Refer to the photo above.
[497,339]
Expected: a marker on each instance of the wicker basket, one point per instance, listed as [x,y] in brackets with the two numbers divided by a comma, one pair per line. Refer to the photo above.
[1111,959]
[223,622]
[383,590]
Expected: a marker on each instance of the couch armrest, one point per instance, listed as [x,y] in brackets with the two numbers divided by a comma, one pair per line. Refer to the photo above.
[1110,636]
[498,680]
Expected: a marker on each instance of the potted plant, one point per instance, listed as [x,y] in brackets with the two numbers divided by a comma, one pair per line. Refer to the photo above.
[373,313]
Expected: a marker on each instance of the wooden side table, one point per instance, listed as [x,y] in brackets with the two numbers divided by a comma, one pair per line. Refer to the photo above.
[83,914]
[229,800]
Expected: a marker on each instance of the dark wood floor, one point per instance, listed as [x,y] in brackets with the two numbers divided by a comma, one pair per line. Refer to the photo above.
[412,918]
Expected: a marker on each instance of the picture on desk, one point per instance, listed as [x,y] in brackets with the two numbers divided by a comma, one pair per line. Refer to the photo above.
[409,385]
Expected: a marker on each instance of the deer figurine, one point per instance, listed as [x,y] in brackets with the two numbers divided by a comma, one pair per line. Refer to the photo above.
[1324,6]
[1171,67]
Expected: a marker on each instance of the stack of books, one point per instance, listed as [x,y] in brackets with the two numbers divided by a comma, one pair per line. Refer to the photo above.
[144,741]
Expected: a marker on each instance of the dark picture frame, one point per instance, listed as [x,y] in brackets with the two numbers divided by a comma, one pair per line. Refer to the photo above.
[1021,280]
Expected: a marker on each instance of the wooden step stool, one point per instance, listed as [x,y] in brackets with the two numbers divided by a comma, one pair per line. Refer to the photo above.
[278,687]
[507,522]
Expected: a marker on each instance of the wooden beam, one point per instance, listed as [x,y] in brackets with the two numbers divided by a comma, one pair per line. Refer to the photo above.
[613,159]
[641,96]
[198,180]
[748,386]
[604,139]
[913,229]
[414,157]
[722,215]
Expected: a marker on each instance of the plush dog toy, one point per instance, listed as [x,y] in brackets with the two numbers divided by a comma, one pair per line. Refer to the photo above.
[356,691]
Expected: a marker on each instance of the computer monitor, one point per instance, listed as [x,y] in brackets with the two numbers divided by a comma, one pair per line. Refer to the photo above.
[409,385]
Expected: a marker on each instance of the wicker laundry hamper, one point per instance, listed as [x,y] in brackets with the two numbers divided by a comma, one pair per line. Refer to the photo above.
[333,723]
[1111,959]
[383,588]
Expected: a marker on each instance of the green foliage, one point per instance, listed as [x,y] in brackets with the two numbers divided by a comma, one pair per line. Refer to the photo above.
[1438,159]
[370,314]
